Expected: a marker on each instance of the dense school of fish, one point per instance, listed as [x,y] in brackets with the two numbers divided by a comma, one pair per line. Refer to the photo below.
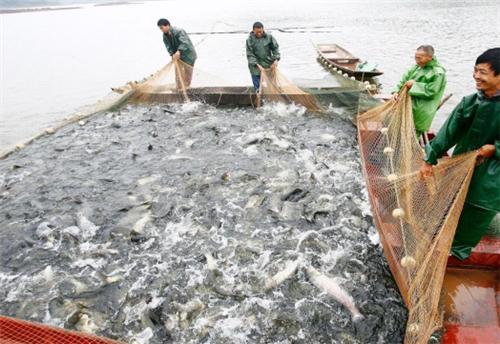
[189,224]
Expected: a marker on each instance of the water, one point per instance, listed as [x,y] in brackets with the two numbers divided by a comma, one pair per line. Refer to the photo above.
[107,228]
[54,62]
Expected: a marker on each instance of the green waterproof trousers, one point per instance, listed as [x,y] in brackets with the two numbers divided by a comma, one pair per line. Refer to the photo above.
[473,223]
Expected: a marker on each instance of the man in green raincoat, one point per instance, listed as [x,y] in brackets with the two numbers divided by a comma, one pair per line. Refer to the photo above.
[426,82]
[262,52]
[180,47]
[474,125]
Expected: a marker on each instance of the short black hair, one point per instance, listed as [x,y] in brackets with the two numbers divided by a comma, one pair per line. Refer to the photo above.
[258,25]
[428,49]
[491,57]
[163,22]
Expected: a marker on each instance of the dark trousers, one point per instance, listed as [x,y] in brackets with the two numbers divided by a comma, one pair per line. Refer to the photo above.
[473,223]
[256,82]
[183,76]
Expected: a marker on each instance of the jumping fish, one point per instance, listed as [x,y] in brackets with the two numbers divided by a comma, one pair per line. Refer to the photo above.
[290,269]
[211,263]
[88,228]
[333,289]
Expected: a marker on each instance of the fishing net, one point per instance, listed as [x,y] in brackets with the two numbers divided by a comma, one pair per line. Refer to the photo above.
[173,81]
[416,217]
[15,331]
[275,87]
[179,82]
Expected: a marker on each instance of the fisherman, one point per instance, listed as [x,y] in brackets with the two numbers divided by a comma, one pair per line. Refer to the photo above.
[474,125]
[426,82]
[180,47]
[262,52]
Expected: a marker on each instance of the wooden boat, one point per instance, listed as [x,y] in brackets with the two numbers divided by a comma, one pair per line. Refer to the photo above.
[336,58]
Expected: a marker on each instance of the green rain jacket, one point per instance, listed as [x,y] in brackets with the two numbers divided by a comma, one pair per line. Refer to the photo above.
[177,39]
[426,92]
[263,51]
[472,124]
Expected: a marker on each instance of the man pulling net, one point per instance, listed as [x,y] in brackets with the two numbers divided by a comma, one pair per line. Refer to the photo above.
[474,125]
[180,47]
[262,53]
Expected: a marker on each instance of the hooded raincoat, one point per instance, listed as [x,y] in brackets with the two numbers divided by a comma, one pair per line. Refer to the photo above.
[474,123]
[426,92]
[178,40]
[263,51]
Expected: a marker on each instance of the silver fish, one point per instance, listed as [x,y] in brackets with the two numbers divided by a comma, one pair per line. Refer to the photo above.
[290,269]
[333,289]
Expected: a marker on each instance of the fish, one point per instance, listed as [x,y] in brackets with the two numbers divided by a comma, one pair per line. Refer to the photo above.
[290,269]
[187,311]
[189,307]
[303,237]
[88,228]
[292,211]
[333,289]
[139,226]
[86,324]
[255,201]
[215,280]
[211,262]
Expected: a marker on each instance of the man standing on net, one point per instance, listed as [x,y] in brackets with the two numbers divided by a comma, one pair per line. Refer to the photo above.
[426,82]
[474,125]
[180,47]
[262,52]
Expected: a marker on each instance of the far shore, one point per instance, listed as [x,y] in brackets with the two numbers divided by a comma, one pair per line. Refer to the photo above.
[36,9]
[42,9]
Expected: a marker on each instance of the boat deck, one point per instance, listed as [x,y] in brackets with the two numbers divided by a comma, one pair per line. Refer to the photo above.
[471,295]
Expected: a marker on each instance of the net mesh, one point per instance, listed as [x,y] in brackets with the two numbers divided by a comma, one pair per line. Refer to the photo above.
[15,331]
[174,79]
[275,87]
[416,217]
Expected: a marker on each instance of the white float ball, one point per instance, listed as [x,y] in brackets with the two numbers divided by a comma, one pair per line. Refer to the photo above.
[384,130]
[392,177]
[398,213]
[408,262]
[413,328]
[388,150]
[50,131]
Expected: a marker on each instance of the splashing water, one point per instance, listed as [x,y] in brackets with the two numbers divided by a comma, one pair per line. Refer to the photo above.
[164,223]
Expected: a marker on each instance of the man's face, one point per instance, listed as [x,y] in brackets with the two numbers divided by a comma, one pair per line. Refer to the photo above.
[421,58]
[485,78]
[258,31]
[164,28]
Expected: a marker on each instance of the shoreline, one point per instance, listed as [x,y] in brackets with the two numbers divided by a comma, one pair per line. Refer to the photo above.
[76,7]
[37,9]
